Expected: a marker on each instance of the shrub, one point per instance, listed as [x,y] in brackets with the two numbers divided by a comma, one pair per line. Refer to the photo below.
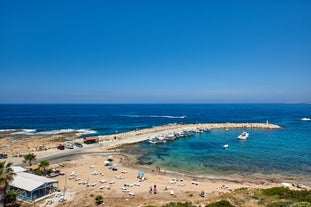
[285,193]
[99,200]
[222,203]
[173,204]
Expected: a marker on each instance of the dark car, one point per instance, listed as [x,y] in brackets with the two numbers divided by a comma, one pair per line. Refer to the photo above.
[78,144]
[61,147]
[3,156]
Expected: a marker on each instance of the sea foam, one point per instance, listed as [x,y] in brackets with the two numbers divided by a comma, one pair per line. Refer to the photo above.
[305,119]
[79,132]
[156,116]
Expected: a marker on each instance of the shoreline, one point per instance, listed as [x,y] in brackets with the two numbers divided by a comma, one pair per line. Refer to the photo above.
[85,161]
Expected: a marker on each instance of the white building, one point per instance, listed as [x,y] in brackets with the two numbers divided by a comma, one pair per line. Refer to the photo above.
[31,187]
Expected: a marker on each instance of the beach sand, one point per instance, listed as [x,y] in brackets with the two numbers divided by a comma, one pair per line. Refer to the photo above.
[124,188]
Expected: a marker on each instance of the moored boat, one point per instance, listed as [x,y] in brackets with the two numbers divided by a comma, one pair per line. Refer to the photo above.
[243,136]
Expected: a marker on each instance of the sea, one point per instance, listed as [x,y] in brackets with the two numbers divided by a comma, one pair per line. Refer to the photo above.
[283,153]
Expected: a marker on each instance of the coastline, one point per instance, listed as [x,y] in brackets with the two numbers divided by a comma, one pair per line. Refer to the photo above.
[82,161]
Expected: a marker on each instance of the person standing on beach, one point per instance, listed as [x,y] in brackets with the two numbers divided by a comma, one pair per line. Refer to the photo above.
[155,189]
[150,190]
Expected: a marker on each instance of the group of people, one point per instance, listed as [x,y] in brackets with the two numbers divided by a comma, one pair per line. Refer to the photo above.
[154,190]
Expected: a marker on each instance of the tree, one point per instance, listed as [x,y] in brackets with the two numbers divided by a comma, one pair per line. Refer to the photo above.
[99,200]
[6,177]
[11,198]
[29,158]
[43,165]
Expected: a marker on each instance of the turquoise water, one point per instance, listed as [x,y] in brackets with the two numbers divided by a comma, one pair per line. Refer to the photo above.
[286,152]
[266,152]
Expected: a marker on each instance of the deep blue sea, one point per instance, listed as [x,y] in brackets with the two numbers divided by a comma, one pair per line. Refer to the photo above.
[286,151]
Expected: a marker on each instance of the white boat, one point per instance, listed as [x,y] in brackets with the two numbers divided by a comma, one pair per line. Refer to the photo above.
[243,135]
[226,146]
[157,139]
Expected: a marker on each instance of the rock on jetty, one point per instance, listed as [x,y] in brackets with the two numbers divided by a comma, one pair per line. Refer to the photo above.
[240,125]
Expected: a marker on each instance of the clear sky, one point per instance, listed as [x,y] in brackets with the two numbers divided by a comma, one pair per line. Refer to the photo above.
[154,51]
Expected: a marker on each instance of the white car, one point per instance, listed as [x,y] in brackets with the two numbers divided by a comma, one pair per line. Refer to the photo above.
[69,145]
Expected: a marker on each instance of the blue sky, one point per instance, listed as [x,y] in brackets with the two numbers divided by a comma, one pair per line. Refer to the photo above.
[155,51]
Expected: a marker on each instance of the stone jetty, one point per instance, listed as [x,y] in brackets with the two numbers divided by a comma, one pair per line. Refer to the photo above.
[145,134]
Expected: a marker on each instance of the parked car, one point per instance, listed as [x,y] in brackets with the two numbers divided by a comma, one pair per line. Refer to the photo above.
[61,147]
[69,145]
[78,144]
[3,156]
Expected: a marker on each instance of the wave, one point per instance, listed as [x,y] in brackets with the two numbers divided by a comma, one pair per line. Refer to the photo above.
[78,132]
[305,119]
[23,131]
[7,130]
[156,116]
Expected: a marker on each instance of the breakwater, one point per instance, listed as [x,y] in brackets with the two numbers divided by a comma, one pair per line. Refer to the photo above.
[145,134]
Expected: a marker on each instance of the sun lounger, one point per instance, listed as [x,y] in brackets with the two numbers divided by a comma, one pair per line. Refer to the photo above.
[61,199]
[92,166]
[112,182]
[195,183]
[49,202]
[124,171]
[224,187]
[58,195]
[172,182]
[103,181]
[131,193]
[119,177]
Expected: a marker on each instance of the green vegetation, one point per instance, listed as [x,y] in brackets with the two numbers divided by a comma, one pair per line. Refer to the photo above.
[43,166]
[222,203]
[99,200]
[6,177]
[173,204]
[30,158]
[11,199]
[283,197]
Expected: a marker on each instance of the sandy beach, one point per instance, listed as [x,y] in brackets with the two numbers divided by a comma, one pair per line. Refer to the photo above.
[86,175]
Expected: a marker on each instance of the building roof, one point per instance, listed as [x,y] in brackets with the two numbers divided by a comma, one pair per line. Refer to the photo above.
[30,182]
[18,169]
